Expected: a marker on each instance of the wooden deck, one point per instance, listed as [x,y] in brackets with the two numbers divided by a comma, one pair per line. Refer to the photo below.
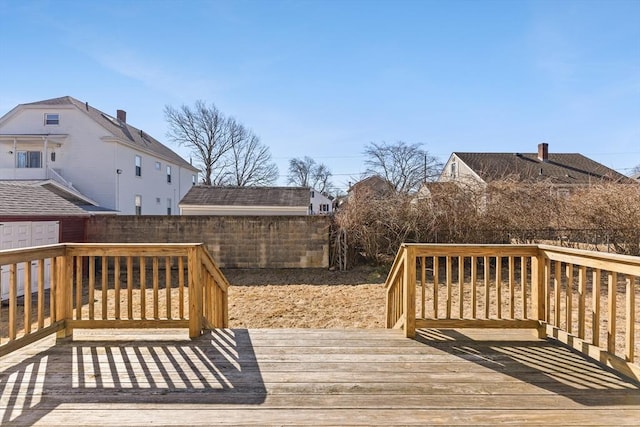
[310,377]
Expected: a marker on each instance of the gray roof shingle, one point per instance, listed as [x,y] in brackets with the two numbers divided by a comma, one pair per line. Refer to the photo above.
[561,168]
[204,195]
[26,200]
[120,129]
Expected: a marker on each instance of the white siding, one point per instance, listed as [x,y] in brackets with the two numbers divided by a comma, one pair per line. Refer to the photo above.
[89,158]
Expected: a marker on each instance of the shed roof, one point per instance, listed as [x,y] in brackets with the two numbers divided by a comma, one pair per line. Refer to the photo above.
[24,199]
[205,195]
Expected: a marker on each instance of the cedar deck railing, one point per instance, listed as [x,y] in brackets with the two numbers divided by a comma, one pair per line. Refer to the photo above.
[108,286]
[585,299]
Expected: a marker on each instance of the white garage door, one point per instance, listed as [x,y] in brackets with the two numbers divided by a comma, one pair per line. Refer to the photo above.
[15,235]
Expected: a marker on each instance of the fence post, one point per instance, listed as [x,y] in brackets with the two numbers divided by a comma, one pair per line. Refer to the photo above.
[410,291]
[538,283]
[63,293]
[195,292]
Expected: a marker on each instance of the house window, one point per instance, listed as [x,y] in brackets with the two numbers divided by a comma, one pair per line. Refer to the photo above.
[29,159]
[168,206]
[158,166]
[53,156]
[169,174]
[138,203]
[313,194]
[51,119]
[324,207]
[193,180]
[138,165]
[454,170]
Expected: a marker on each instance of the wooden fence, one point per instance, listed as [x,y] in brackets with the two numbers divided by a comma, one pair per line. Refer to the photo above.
[585,299]
[57,288]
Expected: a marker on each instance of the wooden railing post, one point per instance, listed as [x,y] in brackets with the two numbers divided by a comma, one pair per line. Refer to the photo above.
[538,299]
[63,294]
[410,291]
[195,292]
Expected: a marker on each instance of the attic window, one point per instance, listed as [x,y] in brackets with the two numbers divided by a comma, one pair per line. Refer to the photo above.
[454,170]
[51,119]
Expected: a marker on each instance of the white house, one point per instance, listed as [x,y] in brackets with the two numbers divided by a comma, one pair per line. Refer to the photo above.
[321,203]
[92,157]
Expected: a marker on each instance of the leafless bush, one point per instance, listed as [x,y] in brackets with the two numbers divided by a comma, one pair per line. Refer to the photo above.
[500,212]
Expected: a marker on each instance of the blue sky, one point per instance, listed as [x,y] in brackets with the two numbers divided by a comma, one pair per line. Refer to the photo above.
[324,78]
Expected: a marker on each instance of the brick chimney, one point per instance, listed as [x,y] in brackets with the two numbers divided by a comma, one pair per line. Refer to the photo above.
[121,115]
[543,152]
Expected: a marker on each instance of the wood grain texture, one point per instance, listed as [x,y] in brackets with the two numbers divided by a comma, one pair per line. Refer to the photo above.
[310,377]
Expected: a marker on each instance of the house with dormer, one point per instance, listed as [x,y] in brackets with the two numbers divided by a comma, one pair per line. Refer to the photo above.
[99,161]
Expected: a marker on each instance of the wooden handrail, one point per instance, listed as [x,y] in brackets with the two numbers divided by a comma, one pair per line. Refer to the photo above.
[558,291]
[111,285]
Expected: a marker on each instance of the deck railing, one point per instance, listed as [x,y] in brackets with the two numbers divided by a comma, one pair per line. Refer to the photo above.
[585,299]
[57,288]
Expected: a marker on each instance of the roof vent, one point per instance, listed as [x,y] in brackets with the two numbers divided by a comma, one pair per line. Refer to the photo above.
[86,105]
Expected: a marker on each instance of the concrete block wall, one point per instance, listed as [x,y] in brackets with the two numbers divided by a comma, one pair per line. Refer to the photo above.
[233,241]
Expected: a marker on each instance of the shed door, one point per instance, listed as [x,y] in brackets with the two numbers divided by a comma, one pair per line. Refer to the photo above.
[15,235]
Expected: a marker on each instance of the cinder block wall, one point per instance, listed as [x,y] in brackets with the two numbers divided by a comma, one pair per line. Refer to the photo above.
[234,241]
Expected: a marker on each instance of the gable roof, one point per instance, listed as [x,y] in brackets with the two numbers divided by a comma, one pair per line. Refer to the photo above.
[205,195]
[119,129]
[20,199]
[560,168]
[374,183]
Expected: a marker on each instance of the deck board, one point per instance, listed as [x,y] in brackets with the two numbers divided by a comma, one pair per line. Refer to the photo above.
[310,377]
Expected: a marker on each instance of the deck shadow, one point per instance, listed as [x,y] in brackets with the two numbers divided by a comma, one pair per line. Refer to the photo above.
[218,367]
[546,364]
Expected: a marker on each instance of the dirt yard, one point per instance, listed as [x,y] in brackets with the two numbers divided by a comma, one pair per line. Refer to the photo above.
[282,298]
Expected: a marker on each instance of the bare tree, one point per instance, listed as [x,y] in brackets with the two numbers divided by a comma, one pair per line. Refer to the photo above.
[307,173]
[404,165]
[249,162]
[226,152]
[202,129]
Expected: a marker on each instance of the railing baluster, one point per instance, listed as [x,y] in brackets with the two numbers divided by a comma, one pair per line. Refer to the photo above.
[611,321]
[629,353]
[461,287]
[116,284]
[156,314]
[181,285]
[143,287]
[129,287]
[40,293]
[167,284]
[557,281]
[569,299]
[487,296]
[436,279]
[78,282]
[423,286]
[582,283]
[104,266]
[523,285]
[547,289]
[26,297]
[474,290]
[512,288]
[595,307]
[92,286]
[499,286]
[13,301]
[449,286]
